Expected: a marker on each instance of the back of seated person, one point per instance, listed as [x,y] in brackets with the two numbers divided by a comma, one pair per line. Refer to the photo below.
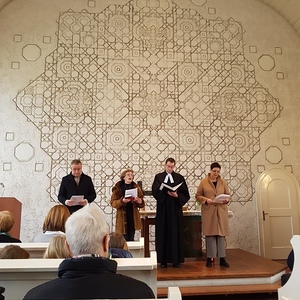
[54,224]
[13,252]
[6,223]
[89,274]
[290,260]
[118,247]
[119,253]
[2,290]
[57,248]
[290,264]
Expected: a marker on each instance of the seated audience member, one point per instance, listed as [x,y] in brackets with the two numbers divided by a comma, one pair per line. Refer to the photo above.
[13,252]
[2,290]
[54,224]
[57,248]
[6,223]
[89,274]
[118,247]
[290,264]
[290,260]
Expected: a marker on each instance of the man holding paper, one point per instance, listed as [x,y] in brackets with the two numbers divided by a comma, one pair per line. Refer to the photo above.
[127,198]
[77,188]
[171,193]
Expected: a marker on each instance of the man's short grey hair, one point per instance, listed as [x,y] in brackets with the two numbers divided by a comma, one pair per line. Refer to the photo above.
[86,229]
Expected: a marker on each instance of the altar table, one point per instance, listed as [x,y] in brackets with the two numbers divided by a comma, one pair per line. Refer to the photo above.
[191,230]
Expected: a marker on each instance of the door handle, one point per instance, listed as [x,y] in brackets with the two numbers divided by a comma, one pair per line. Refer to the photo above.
[264,215]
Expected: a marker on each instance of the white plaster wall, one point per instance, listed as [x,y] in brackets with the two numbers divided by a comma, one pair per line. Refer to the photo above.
[28,180]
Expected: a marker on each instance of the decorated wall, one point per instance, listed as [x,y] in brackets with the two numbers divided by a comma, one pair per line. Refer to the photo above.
[126,84]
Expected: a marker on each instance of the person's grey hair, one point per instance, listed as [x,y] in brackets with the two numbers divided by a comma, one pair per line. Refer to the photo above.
[86,229]
[76,162]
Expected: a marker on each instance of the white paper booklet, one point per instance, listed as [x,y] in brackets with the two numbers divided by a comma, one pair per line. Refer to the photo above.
[171,188]
[77,199]
[220,198]
[132,193]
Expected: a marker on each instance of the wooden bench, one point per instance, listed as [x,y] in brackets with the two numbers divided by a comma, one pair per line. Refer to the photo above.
[18,276]
[246,289]
[37,250]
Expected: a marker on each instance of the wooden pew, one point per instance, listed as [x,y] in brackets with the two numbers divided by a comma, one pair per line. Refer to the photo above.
[37,250]
[18,276]
[136,248]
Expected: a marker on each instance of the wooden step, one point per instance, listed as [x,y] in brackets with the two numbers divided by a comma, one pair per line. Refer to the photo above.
[223,290]
[243,266]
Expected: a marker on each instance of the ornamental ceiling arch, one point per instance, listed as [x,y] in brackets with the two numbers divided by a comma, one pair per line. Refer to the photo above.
[136,83]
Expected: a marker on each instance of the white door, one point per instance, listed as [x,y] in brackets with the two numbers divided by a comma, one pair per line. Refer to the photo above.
[277,196]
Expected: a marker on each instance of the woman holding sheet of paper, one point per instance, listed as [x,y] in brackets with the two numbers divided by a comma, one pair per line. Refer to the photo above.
[214,212]
[127,198]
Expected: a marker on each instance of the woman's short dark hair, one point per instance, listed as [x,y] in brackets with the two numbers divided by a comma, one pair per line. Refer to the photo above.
[215,165]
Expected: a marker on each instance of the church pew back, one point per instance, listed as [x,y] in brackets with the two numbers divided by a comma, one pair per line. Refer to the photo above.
[18,276]
[37,250]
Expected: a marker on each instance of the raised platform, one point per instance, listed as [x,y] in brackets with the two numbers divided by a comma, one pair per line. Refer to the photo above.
[18,276]
[248,273]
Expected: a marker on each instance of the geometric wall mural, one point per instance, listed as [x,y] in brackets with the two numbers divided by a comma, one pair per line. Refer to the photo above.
[136,83]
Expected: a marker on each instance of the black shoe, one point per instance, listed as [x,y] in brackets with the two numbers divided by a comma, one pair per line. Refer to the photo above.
[176,265]
[208,262]
[223,262]
[163,265]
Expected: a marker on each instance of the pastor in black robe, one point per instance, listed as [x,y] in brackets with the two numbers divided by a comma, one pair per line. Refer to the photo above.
[169,219]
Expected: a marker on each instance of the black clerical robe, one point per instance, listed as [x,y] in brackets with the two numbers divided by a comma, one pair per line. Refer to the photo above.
[169,219]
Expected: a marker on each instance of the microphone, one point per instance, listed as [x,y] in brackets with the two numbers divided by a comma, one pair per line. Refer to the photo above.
[2,187]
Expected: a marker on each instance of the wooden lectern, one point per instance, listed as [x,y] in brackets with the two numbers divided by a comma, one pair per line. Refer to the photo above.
[15,207]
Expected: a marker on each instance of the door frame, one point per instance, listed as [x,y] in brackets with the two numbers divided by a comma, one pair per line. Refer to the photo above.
[262,248]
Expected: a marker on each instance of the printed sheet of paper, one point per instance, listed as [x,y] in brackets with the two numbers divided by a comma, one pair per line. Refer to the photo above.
[77,199]
[220,198]
[171,188]
[131,193]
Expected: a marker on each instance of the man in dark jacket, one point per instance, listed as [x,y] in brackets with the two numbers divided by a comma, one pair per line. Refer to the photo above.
[76,184]
[89,274]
